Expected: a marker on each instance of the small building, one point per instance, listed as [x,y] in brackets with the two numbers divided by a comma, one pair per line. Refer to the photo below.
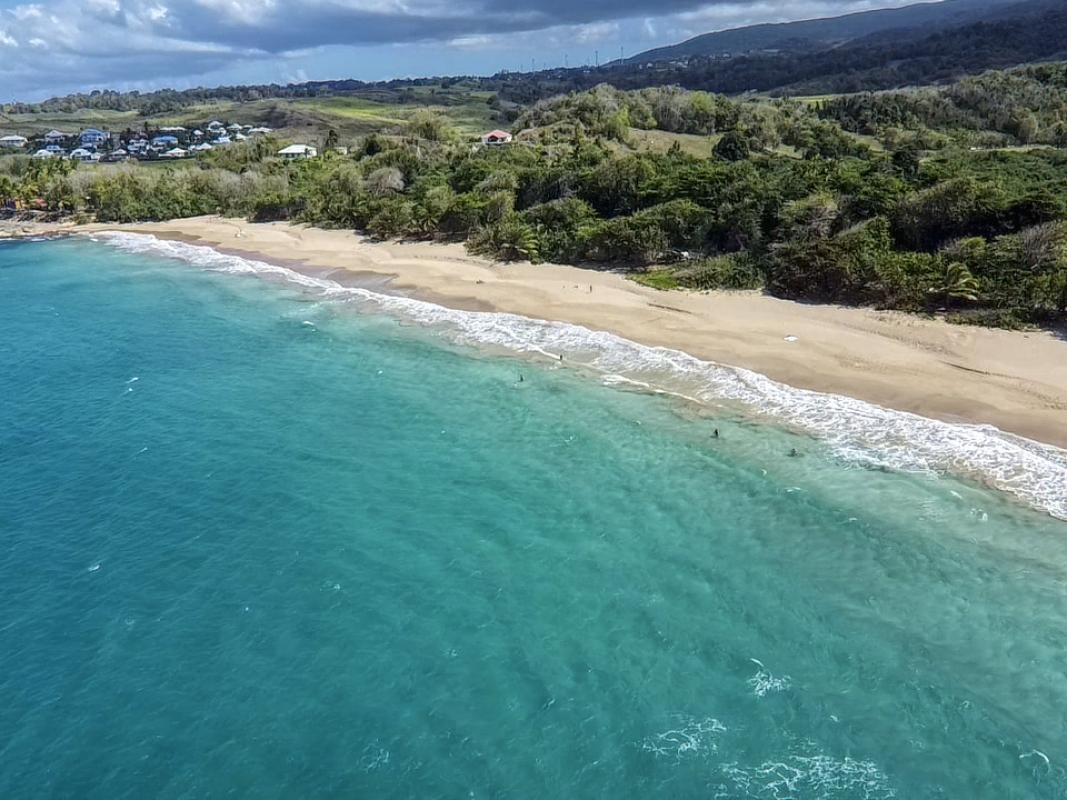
[234,128]
[177,152]
[13,142]
[42,154]
[116,157]
[203,147]
[298,151]
[172,129]
[91,137]
[81,154]
[165,141]
[215,125]
[55,137]
[496,138]
[55,149]
[260,131]
[221,141]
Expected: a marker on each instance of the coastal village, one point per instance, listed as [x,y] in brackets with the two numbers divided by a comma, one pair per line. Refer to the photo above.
[167,143]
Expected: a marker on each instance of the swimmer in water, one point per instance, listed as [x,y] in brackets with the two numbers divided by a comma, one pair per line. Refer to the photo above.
[793,453]
[521,379]
[715,433]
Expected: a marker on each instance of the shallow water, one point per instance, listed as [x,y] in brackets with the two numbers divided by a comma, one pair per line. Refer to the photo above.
[257,542]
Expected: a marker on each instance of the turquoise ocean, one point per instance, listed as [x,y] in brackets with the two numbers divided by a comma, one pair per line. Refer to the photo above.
[262,535]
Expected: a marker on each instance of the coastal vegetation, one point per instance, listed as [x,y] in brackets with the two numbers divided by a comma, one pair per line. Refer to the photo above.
[950,198]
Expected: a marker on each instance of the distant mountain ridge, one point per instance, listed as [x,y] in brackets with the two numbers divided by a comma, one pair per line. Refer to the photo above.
[910,21]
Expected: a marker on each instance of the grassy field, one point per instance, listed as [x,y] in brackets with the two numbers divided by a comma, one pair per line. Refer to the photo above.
[29,124]
[352,116]
[662,141]
[814,99]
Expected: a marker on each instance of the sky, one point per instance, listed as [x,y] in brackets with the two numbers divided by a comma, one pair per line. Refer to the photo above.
[53,47]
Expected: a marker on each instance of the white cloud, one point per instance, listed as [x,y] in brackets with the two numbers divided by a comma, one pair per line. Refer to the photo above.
[247,12]
[26,12]
[596,32]
[738,14]
[482,41]
[105,8]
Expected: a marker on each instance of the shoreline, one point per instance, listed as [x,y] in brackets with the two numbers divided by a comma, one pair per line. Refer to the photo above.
[1015,381]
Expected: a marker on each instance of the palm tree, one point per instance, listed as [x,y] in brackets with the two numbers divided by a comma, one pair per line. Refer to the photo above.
[957,284]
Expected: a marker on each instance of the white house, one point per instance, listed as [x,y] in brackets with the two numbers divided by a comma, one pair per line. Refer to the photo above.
[56,137]
[215,125]
[172,129]
[81,154]
[177,152]
[91,137]
[40,154]
[203,147]
[221,140]
[259,131]
[14,142]
[497,137]
[295,151]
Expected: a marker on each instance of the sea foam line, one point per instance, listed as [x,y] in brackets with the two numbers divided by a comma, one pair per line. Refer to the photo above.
[855,429]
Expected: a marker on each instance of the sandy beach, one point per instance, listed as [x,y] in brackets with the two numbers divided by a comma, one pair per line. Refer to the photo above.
[1016,381]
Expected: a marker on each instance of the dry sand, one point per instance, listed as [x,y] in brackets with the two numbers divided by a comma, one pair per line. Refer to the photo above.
[1015,381]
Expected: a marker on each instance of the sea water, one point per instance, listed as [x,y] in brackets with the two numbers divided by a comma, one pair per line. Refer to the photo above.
[276,538]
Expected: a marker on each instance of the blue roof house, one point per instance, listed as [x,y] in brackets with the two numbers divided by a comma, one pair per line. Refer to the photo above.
[91,136]
[165,141]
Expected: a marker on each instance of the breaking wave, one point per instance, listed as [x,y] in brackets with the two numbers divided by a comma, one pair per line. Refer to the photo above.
[764,683]
[687,737]
[819,777]
[858,431]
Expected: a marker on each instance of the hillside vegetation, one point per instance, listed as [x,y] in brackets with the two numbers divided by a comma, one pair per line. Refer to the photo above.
[911,21]
[293,111]
[871,199]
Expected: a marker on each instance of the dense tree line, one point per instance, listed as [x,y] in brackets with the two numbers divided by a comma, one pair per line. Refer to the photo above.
[1021,106]
[163,101]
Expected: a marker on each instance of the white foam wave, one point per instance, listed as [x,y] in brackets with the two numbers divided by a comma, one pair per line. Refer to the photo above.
[818,777]
[763,682]
[857,430]
[688,737]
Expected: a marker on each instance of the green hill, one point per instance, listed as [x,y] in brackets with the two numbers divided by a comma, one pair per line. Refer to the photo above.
[817,34]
